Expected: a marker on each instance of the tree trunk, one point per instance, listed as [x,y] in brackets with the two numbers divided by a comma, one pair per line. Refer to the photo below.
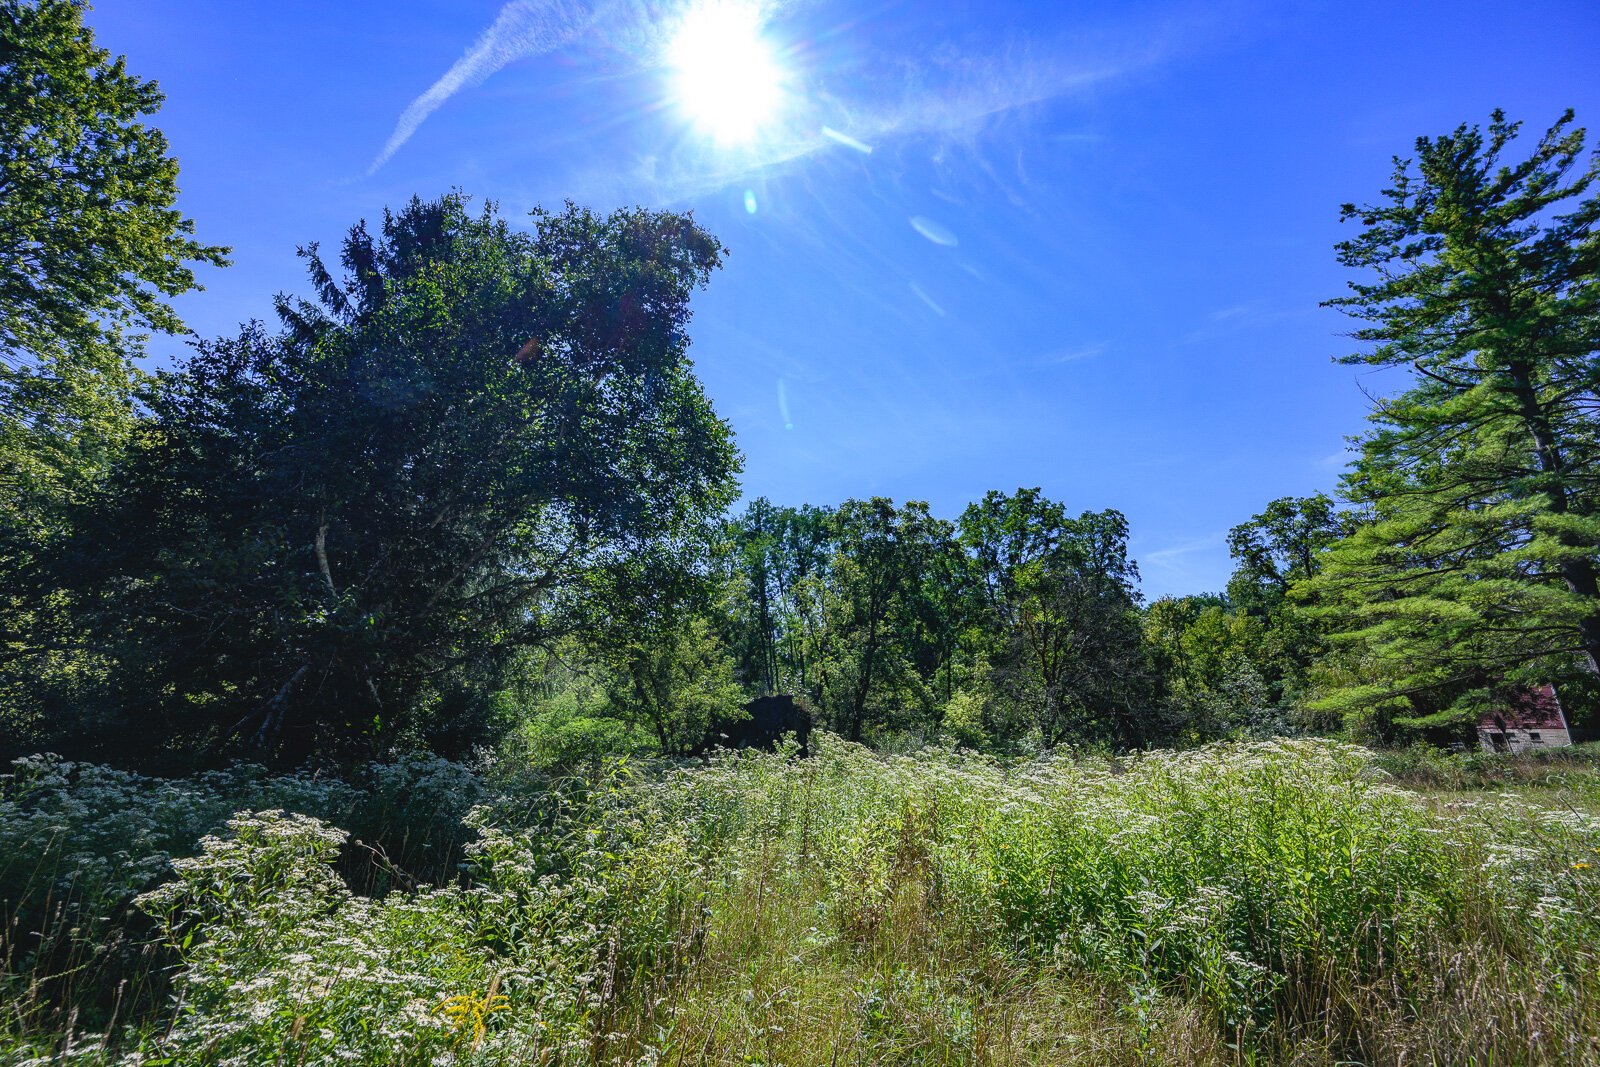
[1578,574]
[769,642]
[858,710]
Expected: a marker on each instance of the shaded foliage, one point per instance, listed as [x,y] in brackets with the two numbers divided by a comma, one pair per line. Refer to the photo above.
[337,535]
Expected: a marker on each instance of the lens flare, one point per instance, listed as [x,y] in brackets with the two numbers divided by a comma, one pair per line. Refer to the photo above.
[726,78]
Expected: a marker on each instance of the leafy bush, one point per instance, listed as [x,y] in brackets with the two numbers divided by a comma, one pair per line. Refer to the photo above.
[79,841]
[572,726]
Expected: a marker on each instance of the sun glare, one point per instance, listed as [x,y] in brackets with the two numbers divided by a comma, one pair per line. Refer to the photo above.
[726,77]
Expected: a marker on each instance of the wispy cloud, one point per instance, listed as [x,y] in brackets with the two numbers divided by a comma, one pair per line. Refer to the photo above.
[1227,321]
[1072,355]
[952,93]
[523,28]
[1174,555]
[952,104]
[936,232]
[933,304]
[1335,461]
[845,139]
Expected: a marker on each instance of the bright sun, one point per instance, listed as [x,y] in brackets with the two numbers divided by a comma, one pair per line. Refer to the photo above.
[726,78]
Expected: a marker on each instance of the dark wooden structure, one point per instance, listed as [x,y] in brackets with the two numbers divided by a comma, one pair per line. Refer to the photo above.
[768,720]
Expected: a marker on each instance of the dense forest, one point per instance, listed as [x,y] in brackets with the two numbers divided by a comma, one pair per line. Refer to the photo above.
[452,553]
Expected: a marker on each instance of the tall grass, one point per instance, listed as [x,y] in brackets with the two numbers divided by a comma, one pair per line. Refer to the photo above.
[1271,902]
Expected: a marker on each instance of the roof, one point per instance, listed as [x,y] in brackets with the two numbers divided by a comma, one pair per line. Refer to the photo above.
[1527,708]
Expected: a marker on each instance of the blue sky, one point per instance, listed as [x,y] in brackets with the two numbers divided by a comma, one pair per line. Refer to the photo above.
[1084,252]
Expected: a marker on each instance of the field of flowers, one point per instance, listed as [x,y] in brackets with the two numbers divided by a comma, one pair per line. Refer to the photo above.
[1285,901]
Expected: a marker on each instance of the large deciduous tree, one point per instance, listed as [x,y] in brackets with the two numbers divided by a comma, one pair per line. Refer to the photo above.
[882,555]
[675,677]
[1281,546]
[1482,477]
[91,247]
[339,533]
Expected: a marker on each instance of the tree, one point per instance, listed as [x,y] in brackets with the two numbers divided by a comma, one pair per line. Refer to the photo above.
[799,574]
[658,639]
[943,611]
[90,239]
[883,553]
[1281,546]
[755,557]
[1482,477]
[675,677]
[338,535]
[1223,671]
[1278,552]
[90,245]
[776,561]
[1061,598]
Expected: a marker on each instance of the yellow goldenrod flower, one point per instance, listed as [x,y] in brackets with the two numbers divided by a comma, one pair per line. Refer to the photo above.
[470,1013]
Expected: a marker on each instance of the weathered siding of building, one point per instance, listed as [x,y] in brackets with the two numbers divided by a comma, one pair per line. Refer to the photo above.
[1532,718]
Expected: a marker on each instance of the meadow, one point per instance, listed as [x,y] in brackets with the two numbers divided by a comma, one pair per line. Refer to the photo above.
[1286,901]
[377,638]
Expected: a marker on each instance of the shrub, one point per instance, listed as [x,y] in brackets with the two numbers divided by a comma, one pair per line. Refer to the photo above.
[79,841]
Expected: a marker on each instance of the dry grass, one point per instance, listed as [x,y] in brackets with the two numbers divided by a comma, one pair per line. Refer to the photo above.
[771,987]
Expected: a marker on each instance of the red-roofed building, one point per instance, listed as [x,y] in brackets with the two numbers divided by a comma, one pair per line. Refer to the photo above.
[1532,718]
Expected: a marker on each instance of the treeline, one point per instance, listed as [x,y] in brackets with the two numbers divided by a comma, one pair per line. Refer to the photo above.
[1017,618]
[1018,626]
[469,490]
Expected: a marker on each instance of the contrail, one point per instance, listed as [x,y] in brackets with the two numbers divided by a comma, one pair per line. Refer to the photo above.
[523,28]
[845,139]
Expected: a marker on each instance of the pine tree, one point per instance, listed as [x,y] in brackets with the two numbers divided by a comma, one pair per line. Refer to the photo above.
[1482,479]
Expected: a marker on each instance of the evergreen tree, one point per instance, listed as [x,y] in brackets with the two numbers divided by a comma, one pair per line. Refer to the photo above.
[1483,477]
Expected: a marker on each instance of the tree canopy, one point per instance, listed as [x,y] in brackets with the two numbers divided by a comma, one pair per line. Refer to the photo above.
[91,247]
[336,533]
[1063,597]
[91,240]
